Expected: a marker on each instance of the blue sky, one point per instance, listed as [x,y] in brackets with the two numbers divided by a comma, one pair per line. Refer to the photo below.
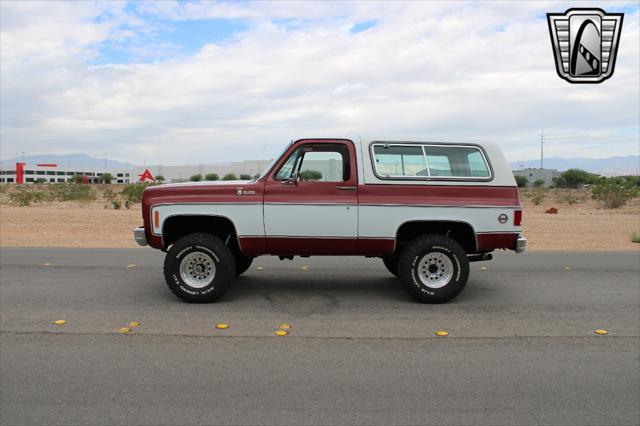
[175,82]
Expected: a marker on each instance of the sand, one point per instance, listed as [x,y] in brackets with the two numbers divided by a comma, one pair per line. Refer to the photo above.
[584,226]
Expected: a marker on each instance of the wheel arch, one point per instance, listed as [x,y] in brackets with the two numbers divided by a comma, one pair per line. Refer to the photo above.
[462,232]
[178,225]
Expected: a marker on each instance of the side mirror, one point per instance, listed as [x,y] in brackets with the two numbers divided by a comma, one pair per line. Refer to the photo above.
[293,180]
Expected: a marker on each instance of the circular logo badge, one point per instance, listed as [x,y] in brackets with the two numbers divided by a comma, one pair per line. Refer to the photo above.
[503,218]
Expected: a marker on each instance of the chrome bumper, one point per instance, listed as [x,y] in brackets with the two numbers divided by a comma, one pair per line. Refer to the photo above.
[521,244]
[139,236]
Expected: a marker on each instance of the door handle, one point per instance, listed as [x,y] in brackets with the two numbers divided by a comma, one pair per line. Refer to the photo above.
[346,188]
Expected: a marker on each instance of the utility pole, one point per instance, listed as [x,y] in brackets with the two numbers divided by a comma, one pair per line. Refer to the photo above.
[542,149]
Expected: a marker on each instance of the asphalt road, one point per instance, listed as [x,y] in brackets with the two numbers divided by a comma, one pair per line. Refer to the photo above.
[521,348]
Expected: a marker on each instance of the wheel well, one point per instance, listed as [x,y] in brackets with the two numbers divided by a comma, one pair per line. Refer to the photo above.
[462,232]
[176,227]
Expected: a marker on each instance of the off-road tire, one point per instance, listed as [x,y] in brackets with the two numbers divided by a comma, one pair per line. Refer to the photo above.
[411,261]
[214,251]
[391,263]
[243,263]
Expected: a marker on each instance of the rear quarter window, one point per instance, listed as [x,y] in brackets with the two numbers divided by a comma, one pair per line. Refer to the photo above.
[426,161]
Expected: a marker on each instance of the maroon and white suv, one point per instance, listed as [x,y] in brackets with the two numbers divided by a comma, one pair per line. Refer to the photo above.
[426,208]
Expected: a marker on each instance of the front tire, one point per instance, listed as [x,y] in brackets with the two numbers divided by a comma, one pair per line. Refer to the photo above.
[434,268]
[199,268]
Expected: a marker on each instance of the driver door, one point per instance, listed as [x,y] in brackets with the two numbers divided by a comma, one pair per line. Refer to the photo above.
[310,201]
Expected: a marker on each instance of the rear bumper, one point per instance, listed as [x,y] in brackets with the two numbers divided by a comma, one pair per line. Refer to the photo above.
[521,244]
[139,236]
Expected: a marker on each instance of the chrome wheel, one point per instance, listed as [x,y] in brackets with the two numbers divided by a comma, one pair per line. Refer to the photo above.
[197,269]
[435,270]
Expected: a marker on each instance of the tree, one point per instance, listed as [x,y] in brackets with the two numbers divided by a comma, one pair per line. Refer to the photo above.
[211,176]
[245,177]
[229,176]
[521,181]
[573,178]
[159,178]
[106,178]
[538,183]
[195,178]
[310,175]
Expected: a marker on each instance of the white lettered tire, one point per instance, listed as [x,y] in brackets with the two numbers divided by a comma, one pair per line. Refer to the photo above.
[199,268]
[433,268]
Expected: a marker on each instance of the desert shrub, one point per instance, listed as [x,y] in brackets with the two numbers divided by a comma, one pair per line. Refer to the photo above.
[538,183]
[195,178]
[132,192]
[571,198]
[521,181]
[229,176]
[635,238]
[613,192]
[211,176]
[116,203]
[25,197]
[310,175]
[40,181]
[72,192]
[245,177]
[537,196]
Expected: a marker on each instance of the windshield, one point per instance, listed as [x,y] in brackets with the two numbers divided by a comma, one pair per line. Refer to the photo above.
[272,162]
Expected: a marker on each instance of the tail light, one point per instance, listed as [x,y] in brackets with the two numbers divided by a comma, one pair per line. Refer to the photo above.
[517,218]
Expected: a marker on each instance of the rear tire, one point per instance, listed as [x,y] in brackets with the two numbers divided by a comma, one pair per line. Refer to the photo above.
[391,263]
[199,268]
[433,268]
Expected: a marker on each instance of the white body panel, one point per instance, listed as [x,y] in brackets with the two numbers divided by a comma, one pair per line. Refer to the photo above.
[311,220]
[246,217]
[384,221]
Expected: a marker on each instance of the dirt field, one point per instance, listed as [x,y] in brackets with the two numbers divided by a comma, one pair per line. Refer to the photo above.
[584,226]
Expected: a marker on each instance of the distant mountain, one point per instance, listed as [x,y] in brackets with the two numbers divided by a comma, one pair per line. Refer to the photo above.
[70,161]
[604,166]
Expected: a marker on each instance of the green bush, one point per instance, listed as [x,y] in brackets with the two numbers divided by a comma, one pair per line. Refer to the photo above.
[132,192]
[195,178]
[310,175]
[106,178]
[159,178]
[635,238]
[614,192]
[538,183]
[229,176]
[211,176]
[245,177]
[521,181]
[573,178]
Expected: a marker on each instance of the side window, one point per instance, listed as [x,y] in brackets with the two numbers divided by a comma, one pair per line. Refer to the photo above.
[430,161]
[322,166]
[400,160]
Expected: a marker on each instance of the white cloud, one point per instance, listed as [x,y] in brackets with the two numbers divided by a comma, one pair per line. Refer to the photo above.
[451,71]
